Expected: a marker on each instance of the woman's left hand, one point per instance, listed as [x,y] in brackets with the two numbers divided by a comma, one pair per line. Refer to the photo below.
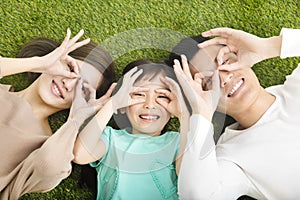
[58,62]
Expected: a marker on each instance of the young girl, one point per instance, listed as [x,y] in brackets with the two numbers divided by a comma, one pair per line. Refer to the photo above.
[139,161]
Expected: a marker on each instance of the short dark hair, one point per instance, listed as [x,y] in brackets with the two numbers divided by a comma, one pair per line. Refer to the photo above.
[90,53]
[187,46]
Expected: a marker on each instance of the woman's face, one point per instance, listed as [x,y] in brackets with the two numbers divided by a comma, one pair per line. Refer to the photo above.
[239,88]
[58,91]
[148,117]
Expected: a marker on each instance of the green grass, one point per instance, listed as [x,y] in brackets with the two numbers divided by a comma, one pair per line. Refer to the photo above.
[155,25]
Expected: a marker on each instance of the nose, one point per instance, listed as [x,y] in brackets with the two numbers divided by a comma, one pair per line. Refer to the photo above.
[69,83]
[225,77]
[150,102]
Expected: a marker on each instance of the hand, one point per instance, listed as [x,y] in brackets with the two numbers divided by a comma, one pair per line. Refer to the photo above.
[249,48]
[201,101]
[176,106]
[123,97]
[58,62]
[84,107]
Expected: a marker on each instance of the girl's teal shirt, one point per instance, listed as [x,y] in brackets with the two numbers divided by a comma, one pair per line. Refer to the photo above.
[137,166]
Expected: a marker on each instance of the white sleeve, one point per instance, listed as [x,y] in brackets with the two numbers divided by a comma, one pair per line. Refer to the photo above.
[290,45]
[204,177]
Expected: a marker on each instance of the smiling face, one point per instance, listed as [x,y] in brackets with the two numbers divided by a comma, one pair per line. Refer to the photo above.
[148,117]
[58,91]
[239,88]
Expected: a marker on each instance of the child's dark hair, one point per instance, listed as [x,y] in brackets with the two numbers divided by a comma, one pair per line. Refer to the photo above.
[150,70]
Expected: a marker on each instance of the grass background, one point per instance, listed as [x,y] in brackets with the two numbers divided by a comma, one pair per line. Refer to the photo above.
[22,20]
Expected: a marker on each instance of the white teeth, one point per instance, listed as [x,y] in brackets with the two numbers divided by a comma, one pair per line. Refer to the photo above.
[56,90]
[149,117]
[237,86]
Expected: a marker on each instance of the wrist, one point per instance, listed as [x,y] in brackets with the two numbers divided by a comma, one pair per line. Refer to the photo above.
[273,47]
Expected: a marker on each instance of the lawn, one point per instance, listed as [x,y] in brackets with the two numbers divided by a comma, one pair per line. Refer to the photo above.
[131,30]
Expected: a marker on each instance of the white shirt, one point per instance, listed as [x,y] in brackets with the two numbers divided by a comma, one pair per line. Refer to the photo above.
[262,161]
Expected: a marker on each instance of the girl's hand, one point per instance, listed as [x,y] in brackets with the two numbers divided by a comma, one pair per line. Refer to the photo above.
[201,101]
[58,62]
[176,106]
[123,97]
[85,103]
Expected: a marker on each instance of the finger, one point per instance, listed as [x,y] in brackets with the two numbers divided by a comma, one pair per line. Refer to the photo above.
[167,93]
[223,32]
[198,78]
[135,76]
[78,44]
[139,89]
[230,67]
[75,38]
[185,67]
[216,83]
[67,38]
[74,66]
[213,41]
[221,53]
[136,101]
[174,87]
[163,103]
[110,90]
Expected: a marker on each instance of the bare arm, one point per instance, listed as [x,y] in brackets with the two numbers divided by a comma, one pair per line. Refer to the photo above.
[88,146]
[57,62]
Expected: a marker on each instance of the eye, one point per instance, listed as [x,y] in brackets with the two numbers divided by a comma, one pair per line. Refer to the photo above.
[161,96]
[137,94]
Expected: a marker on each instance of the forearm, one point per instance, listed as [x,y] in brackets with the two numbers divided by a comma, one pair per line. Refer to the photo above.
[88,145]
[272,47]
[11,66]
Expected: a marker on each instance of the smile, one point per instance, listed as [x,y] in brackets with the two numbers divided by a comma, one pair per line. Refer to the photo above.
[56,90]
[149,117]
[236,87]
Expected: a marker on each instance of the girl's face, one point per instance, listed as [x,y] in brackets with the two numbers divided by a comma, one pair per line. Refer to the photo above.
[58,91]
[148,117]
[239,88]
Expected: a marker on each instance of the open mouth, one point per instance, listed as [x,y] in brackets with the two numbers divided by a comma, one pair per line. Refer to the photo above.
[149,117]
[56,90]
[236,87]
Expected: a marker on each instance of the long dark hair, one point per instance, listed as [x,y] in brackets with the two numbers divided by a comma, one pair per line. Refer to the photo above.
[90,53]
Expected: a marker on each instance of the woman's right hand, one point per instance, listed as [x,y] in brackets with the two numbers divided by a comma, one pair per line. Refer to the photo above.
[84,107]
[58,62]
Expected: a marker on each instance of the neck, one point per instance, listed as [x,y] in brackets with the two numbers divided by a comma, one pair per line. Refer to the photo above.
[248,117]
